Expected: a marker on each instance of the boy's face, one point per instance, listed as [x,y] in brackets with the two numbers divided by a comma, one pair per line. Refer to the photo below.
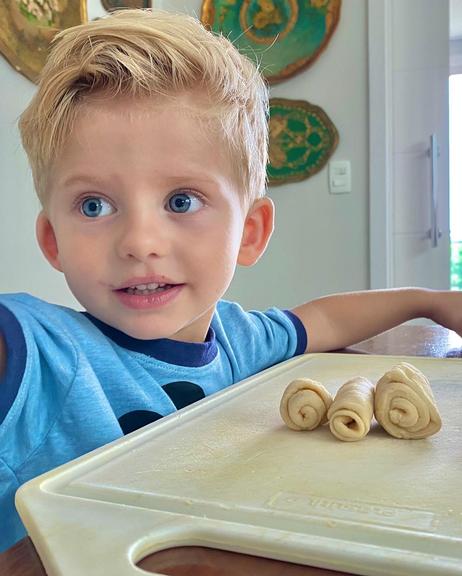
[146,220]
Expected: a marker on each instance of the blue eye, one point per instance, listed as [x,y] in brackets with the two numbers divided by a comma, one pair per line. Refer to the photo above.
[182,202]
[95,207]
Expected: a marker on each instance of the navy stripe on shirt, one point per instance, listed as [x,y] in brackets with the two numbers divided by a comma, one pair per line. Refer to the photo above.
[190,354]
[16,355]
[302,337]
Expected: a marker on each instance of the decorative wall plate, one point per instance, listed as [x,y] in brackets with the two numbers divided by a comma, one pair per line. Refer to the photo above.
[283,36]
[28,26]
[302,139]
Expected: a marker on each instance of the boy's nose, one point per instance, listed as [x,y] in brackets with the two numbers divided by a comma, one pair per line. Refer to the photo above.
[142,238]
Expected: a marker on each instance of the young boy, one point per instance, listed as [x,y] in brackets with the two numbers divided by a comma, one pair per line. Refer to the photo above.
[147,141]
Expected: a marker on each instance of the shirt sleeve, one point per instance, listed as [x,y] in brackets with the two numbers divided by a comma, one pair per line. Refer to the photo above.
[40,367]
[254,340]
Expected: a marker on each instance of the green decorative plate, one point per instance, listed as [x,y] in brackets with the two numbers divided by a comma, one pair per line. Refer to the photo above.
[283,36]
[302,139]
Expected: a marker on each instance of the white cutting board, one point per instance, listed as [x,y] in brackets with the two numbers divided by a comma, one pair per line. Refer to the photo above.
[227,473]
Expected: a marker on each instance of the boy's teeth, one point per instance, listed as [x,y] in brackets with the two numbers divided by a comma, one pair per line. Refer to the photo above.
[146,288]
[151,286]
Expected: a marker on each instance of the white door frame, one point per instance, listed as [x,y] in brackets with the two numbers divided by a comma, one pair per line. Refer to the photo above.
[380,145]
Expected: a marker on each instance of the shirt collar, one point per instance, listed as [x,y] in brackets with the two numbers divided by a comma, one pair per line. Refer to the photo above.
[170,351]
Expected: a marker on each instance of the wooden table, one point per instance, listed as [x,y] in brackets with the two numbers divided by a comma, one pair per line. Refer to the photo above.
[407,340]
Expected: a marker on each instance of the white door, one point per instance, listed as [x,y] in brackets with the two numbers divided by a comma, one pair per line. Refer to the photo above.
[409,122]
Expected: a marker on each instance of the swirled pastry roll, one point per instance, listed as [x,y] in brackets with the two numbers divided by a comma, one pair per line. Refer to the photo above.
[352,410]
[404,403]
[304,404]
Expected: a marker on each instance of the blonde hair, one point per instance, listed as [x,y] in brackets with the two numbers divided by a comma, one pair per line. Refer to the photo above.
[155,54]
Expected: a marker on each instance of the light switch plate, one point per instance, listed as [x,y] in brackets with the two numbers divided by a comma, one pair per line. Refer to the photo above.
[339,177]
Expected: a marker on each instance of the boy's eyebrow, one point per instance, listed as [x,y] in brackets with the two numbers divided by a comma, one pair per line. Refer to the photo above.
[82,179]
[191,176]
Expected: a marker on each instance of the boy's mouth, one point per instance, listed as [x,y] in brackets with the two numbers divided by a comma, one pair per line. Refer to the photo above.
[147,295]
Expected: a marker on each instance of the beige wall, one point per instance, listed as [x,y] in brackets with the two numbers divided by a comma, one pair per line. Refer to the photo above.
[321,240]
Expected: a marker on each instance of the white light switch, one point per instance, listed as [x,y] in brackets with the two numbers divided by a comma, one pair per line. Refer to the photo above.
[339,177]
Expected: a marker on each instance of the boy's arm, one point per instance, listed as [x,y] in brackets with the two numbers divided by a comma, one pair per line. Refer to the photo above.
[340,320]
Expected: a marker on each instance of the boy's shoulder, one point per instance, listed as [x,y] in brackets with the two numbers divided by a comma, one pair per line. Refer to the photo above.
[30,311]
[22,301]
[33,329]
[255,327]
[229,311]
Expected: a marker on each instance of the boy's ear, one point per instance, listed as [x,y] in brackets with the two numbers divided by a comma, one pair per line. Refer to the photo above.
[47,240]
[258,228]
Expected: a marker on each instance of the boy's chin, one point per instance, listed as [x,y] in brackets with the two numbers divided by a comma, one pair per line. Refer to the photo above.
[142,333]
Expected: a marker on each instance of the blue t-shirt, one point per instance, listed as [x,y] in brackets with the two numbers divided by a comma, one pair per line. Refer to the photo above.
[73,383]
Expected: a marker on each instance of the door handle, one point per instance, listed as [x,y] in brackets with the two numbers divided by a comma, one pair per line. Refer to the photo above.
[435,232]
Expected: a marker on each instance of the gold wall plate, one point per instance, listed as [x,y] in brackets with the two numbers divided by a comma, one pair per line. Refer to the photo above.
[27,28]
